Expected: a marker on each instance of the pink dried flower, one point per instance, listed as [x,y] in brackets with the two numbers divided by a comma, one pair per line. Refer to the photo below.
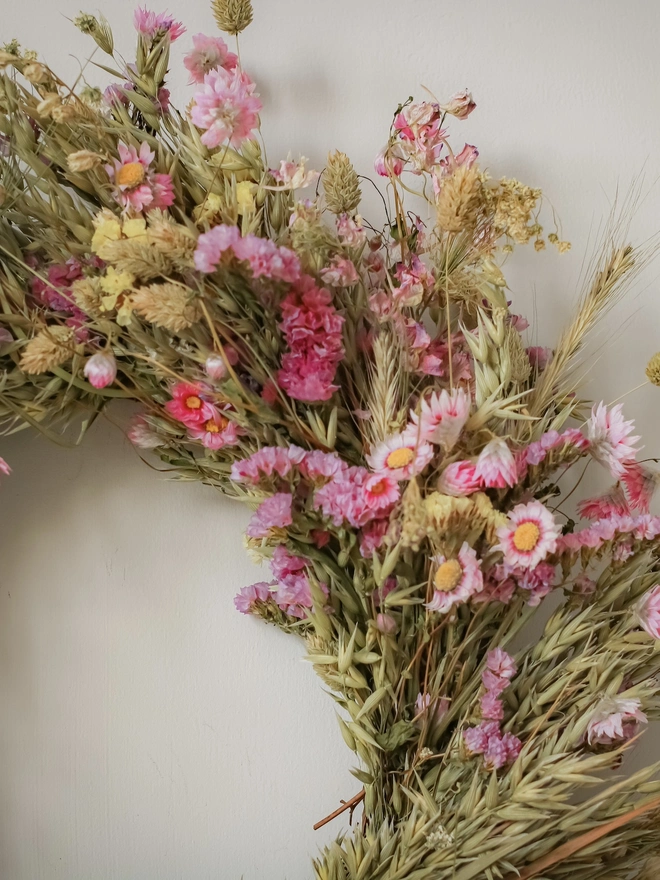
[640,483]
[340,273]
[386,624]
[513,747]
[434,710]
[390,161]
[278,460]
[381,491]
[415,281]
[442,417]
[142,435]
[372,536]
[215,367]
[56,293]
[612,503]
[248,598]
[101,369]
[456,580]
[136,186]
[226,107]
[476,738]
[273,513]
[294,592]
[188,405]
[615,718]
[350,230]
[347,498]
[208,53]
[539,357]
[212,245]
[4,467]
[267,260]
[609,435]
[153,25]
[294,175]
[400,456]
[538,581]
[321,466]
[217,431]
[501,664]
[459,478]
[496,466]
[491,706]
[647,612]
[530,535]
[460,105]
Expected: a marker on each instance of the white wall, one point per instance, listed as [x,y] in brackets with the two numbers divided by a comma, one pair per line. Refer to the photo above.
[148,732]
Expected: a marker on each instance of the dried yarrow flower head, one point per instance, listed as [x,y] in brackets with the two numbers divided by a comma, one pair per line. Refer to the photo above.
[460,200]
[232,16]
[51,347]
[653,369]
[341,184]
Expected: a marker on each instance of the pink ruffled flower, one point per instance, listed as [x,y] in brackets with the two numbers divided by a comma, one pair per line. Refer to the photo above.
[390,161]
[386,624]
[612,503]
[273,513]
[350,230]
[498,749]
[491,706]
[226,107]
[428,709]
[372,536]
[212,245]
[476,738]
[155,24]
[456,580]
[537,451]
[340,273]
[421,138]
[142,435]
[459,105]
[530,535]
[321,466]
[267,260]
[294,175]
[460,478]
[400,456]
[443,416]
[248,598]
[539,357]
[101,369]
[615,719]
[415,281]
[294,592]
[501,664]
[647,612]
[539,582]
[188,405]
[56,293]
[136,186]
[217,430]
[610,436]
[208,53]
[496,466]
[355,496]
[641,483]
[269,461]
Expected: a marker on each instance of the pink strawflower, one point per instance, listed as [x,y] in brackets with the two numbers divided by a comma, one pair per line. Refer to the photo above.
[501,664]
[136,186]
[188,405]
[208,53]
[372,536]
[226,107]
[4,467]
[381,491]
[312,329]
[101,369]
[248,598]
[154,25]
[217,430]
[647,611]
[612,503]
[496,465]
[142,435]
[442,417]
[400,456]
[640,483]
[269,461]
[215,367]
[456,580]
[610,437]
[340,273]
[460,478]
[273,513]
[530,535]
[615,719]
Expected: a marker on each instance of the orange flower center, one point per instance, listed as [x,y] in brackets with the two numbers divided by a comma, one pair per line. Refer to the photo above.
[378,488]
[526,537]
[214,426]
[448,575]
[131,175]
[399,458]
[193,402]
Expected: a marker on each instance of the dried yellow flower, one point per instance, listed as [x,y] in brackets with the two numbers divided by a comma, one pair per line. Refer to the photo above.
[341,184]
[83,160]
[6,59]
[209,209]
[232,16]
[114,283]
[460,200]
[166,305]
[245,196]
[513,206]
[653,369]
[51,347]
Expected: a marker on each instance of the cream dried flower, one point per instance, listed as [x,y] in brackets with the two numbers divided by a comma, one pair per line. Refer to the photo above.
[87,296]
[341,184]
[7,59]
[232,16]
[64,112]
[83,160]
[460,200]
[51,347]
[48,104]
[36,73]
[166,305]
[653,369]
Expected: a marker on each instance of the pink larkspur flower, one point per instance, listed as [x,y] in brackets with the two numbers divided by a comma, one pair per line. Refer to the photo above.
[401,456]
[415,281]
[101,369]
[530,535]
[456,580]
[340,273]
[460,478]
[217,431]
[226,108]
[294,175]
[142,435]
[615,719]
[496,466]
[611,442]
[273,513]
[137,187]
[208,53]
[248,597]
[188,405]
[442,417]
[154,24]
[647,612]
[266,462]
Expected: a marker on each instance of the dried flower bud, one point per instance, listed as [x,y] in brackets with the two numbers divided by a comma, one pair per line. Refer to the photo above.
[86,23]
[64,112]
[35,72]
[653,369]
[215,367]
[87,296]
[460,200]
[7,59]
[460,105]
[232,16]
[83,160]
[101,369]
[51,347]
[98,30]
[50,101]
[341,184]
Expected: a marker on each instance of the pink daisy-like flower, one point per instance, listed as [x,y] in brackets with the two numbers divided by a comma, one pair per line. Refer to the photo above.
[615,719]
[136,186]
[208,53]
[266,462]
[496,465]
[442,417]
[217,430]
[460,478]
[456,580]
[248,598]
[610,438]
[188,405]
[273,513]
[226,107]
[155,24]
[381,491]
[142,435]
[530,535]
[401,456]
[647,612]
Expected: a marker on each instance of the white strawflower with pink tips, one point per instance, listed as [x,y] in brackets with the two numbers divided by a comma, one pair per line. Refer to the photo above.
[456,580]
[101,369]
[647,612]
[496,465]
[442,417]
[401,456]
[615,719]
[610,440]
[530,535]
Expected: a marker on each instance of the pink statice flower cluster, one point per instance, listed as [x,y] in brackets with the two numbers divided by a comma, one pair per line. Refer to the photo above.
[647,612]
[487,738]
[356,496]
[270,461]
[312,328]
[137,187]
[226,107]
[615,720]
[263,257]
[273,513]
[248,599]
[613,529]
[55,292]
[293,593]
[207,54]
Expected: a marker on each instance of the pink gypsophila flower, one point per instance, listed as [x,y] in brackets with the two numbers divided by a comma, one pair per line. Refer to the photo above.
[101,369]
[647,612]
[188,404]
[610,437]
[154,24]
[615,719]
[456,580]
[443,416]
[273,513]
[496,465]
[208,53]
[226,107]
[460,478]
[217,431]
[137,187]
[269,460]
[400,456]
[248,597]
[530,535]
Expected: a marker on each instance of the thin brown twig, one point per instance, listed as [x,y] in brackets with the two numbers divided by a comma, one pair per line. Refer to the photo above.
[346,805]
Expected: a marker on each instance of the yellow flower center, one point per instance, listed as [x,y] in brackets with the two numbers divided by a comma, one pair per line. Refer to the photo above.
[214,427]
[131,175]
[448,575]
[193,402]
[399,458]
[526,537]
